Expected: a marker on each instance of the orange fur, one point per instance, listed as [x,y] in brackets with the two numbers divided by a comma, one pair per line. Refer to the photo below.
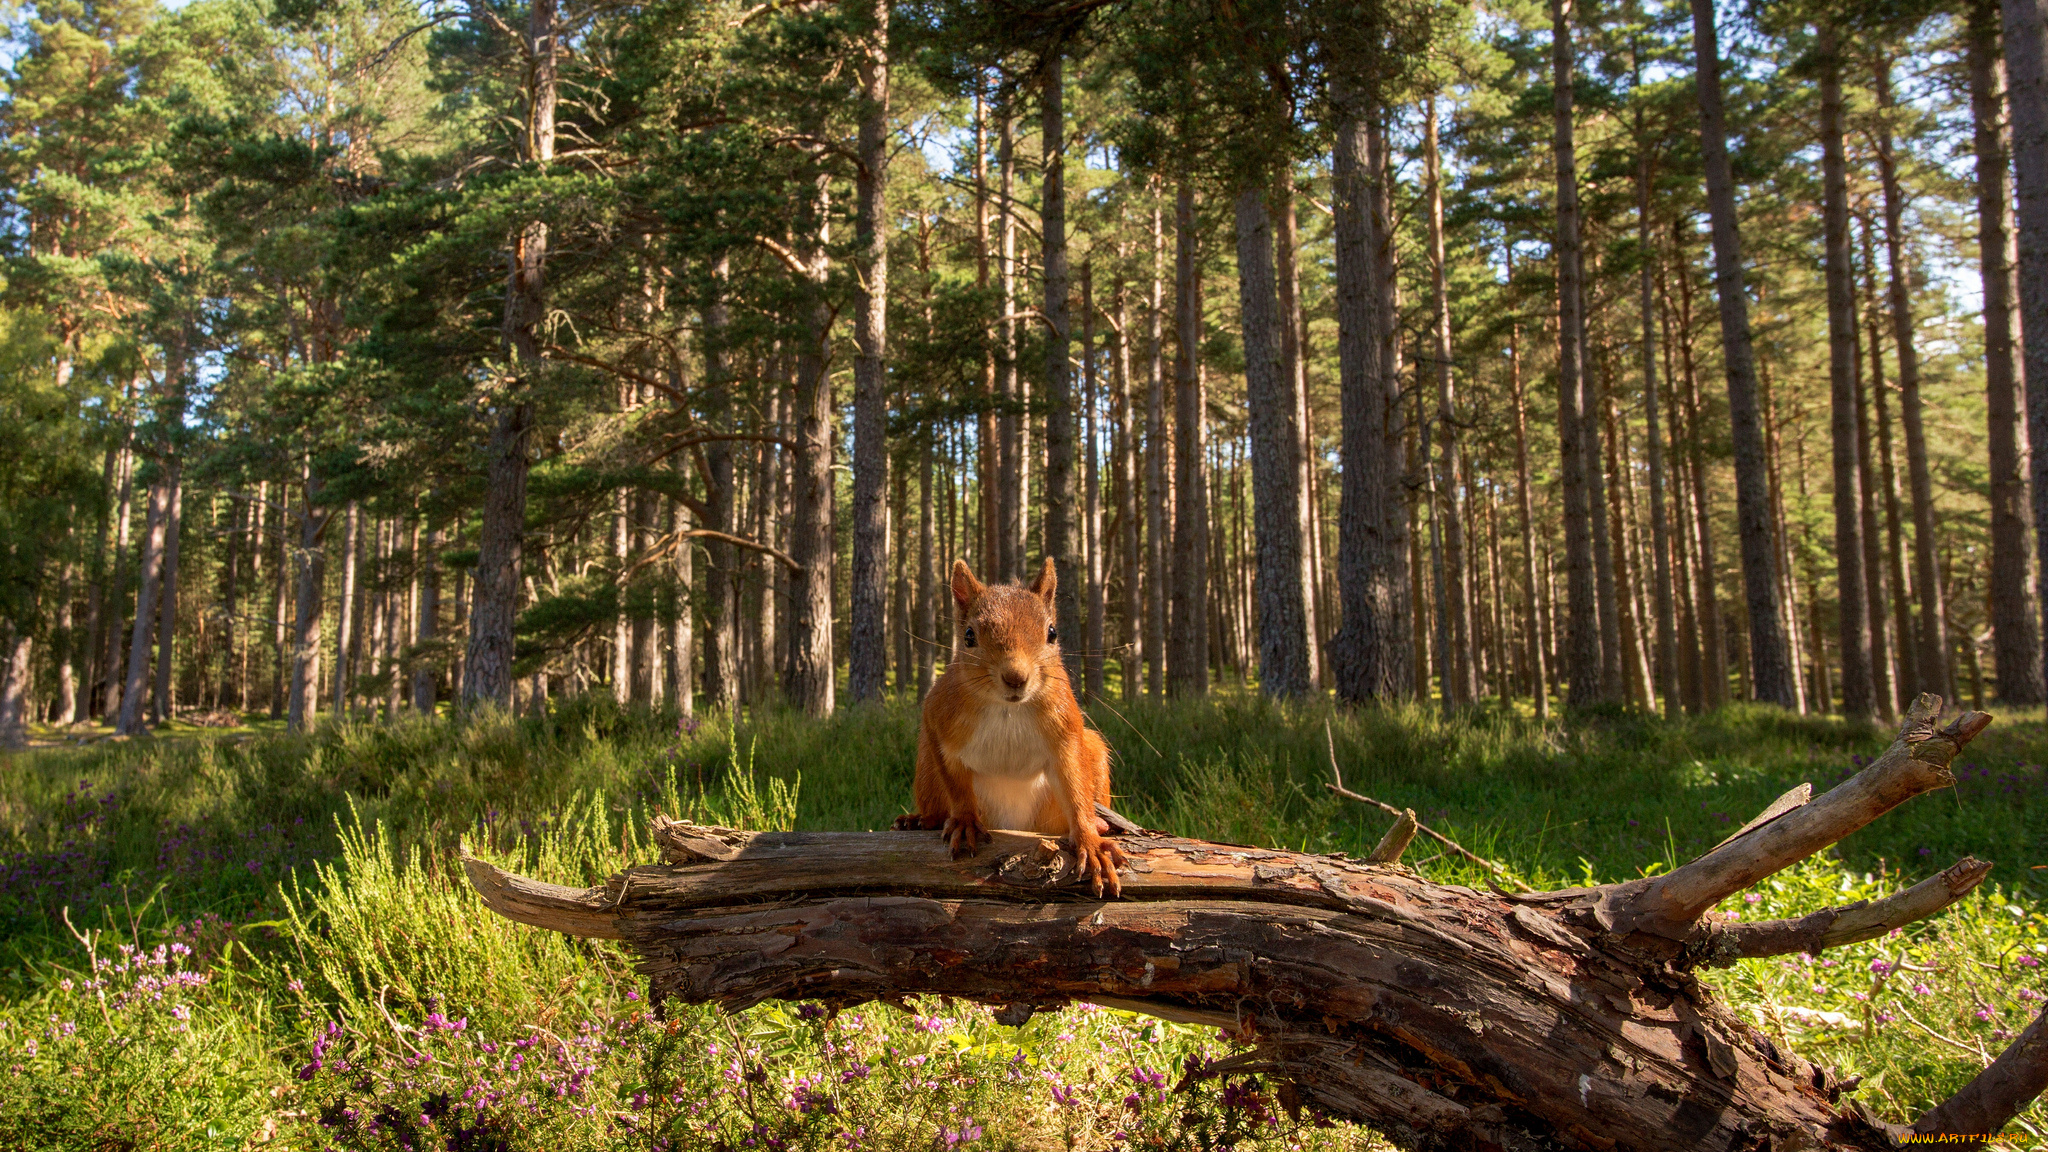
[1002,739]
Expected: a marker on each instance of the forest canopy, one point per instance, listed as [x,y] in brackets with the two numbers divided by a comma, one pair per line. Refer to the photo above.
[366,357]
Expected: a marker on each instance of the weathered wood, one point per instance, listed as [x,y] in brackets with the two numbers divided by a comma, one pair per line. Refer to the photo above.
[1444,1016]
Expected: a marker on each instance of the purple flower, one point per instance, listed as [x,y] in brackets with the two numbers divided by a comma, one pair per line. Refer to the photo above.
[857,1072]
[1880,967]
[967,1133]
[2028,962]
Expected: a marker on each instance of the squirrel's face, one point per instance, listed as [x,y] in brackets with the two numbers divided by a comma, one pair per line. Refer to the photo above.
[1008,640]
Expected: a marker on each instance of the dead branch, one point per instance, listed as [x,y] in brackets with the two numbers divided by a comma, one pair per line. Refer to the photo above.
[1444,1016]
[1450,845]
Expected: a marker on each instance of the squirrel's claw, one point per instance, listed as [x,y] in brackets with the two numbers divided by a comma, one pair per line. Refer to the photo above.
[964,834]
[1099,861]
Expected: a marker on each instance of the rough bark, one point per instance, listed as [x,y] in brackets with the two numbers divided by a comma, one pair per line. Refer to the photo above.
[1294,370]
[807,680]
[2015,630]
[1539,678]
[1091,487]
[2025,29]
[1660,528]
[1271,403]
[1059,534]
[1773,679]
[721,578]
[163,701]
[1187,668]
[1932,654]
[149,571]
[868,640]
[1124,487]
[1369,654]
[309,571]
[1713,640]
[17,645]
[1158,471]
[1875,601]
[1858,686]
[1461,663]
[1012,428]
[1582,657]
[1895,550]
[1444,1016]
[112,674]
[494,602]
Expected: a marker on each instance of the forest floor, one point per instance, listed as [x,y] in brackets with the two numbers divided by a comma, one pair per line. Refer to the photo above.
[234,936]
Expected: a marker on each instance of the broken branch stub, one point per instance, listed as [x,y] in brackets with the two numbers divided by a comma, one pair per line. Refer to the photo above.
[1917,761]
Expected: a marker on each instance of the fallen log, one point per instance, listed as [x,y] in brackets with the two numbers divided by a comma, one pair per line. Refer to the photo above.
[1441,1015]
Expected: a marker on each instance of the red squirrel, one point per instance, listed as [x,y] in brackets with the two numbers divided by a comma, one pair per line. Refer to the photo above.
[1002,743]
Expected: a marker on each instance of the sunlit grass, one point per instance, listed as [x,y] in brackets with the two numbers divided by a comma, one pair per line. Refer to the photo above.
[351,980]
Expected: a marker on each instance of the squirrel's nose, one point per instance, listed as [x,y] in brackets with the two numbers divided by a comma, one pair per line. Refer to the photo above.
[1014,679]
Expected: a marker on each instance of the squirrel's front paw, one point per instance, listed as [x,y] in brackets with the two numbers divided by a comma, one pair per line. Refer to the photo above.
[1099,860]
[914,822]
[964,834]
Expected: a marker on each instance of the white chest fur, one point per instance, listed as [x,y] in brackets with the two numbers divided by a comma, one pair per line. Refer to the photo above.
[1012,762]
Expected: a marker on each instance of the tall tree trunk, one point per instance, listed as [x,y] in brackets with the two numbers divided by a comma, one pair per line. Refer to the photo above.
[1158,470]
[683,632]
[346,628]
[1769,651]
[2015,629]
[1124,485]
[1583,666]
[1609,589]
[1187,670]
[721,577]
[17,646]
[808,680]
[309,568]
[1660,531]
[1294,371]
[1271,404]
[1014,426]
[1932,665]
[1875,602]
[621,557]
[64,640]
[428,627]
[2025,27]
[989,458]
[927,640]
[1460,664]
[868,641]
[278,628]
[1091,484]
[900,590]
[1713,636]
[1895,548]
[1369,653]
[1539,677]
[1859,692]
[1059,533]
[494,603]
[163,703]
[149,572]
[116,598]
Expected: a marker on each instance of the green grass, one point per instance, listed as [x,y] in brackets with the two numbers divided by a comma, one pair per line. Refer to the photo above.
[329,951]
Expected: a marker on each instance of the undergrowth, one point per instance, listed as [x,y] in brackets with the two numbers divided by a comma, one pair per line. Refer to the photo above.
[267,940]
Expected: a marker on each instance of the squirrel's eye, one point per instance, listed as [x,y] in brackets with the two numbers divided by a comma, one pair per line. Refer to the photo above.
[970,637]
[1051,634]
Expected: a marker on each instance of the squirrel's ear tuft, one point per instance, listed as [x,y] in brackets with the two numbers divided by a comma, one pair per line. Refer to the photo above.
[1048,579]
[966,589]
